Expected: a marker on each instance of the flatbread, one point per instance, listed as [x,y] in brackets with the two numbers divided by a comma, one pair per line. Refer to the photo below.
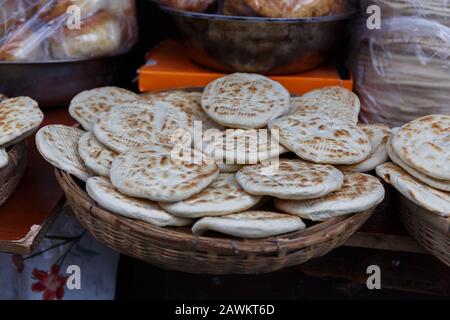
[3,97]
[250,224]
[240,146]
[88,105]
[4,158]
[95,155]
[58,145]
[103,192]
[19,118]
[424,144]
[161,177]
[332,102]
[378,135]
[245,101]
[322,140]
[435,183]
[290,179]
[135,126]
[189,102]
[224,196]
[421,194]
[359,192]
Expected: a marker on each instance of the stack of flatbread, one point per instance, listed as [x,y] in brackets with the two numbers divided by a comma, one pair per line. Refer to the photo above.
[211,159]
[400,74]
[19,118]
[420,168]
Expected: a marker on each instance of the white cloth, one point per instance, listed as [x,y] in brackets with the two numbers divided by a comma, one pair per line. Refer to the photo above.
[97,264]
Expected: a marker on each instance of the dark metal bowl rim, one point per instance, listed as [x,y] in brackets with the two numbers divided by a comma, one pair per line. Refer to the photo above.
[62,61]
[212,16]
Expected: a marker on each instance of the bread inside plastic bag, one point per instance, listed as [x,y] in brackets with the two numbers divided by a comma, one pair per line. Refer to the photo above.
[46,30]
[401,71]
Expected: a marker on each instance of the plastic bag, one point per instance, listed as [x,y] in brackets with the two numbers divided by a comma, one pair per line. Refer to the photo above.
[402,71]
[438,10]
[46,30]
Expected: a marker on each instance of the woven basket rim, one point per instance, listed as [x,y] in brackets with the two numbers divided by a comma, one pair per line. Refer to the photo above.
[441,223]
[316,234]
[16,153]
[11,174]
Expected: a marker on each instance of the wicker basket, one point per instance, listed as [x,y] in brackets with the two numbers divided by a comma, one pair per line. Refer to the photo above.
[11,175]
[429,229]
[178,249]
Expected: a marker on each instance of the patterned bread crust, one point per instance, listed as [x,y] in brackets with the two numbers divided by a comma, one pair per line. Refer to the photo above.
[322,139]
[245,101]
[359,192]
[19,118]
[58,144]
[424,144]
[290,179]
[95,155]
[224,196]
[88,105]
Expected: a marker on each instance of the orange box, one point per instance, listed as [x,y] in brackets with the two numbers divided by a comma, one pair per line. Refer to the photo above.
[168,68]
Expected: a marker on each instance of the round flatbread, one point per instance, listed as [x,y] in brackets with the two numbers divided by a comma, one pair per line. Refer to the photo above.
[290,179]
[435,183]
[136,126]
[3,158]
[189,102]
[88,105]
[104,193]
[246,101]
[95,155]
[239,146]
[378,135]
[359,192]
[250,224]
[3,97]
[332,102]
[322,140]
[421,194]
[424,144]
[19,118]
[161,177]
[58,145]
[224,196]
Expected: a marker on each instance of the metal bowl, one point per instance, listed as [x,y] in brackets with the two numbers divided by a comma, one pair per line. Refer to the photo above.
[55,83]
[259,45]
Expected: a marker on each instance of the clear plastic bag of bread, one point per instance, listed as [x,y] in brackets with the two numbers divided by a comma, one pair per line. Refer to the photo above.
[437,10]
[47,30]
[284,8]
[402,71]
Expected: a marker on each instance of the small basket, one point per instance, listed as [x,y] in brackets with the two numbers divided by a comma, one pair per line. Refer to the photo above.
[429,229]
[178,249]
[11,175]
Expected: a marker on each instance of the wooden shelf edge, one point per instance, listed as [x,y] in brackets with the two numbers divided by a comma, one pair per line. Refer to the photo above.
[26,245]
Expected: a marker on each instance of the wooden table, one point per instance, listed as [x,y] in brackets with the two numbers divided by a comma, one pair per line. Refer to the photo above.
[27,215]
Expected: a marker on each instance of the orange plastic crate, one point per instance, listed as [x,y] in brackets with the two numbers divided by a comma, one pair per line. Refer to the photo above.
[168,67]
